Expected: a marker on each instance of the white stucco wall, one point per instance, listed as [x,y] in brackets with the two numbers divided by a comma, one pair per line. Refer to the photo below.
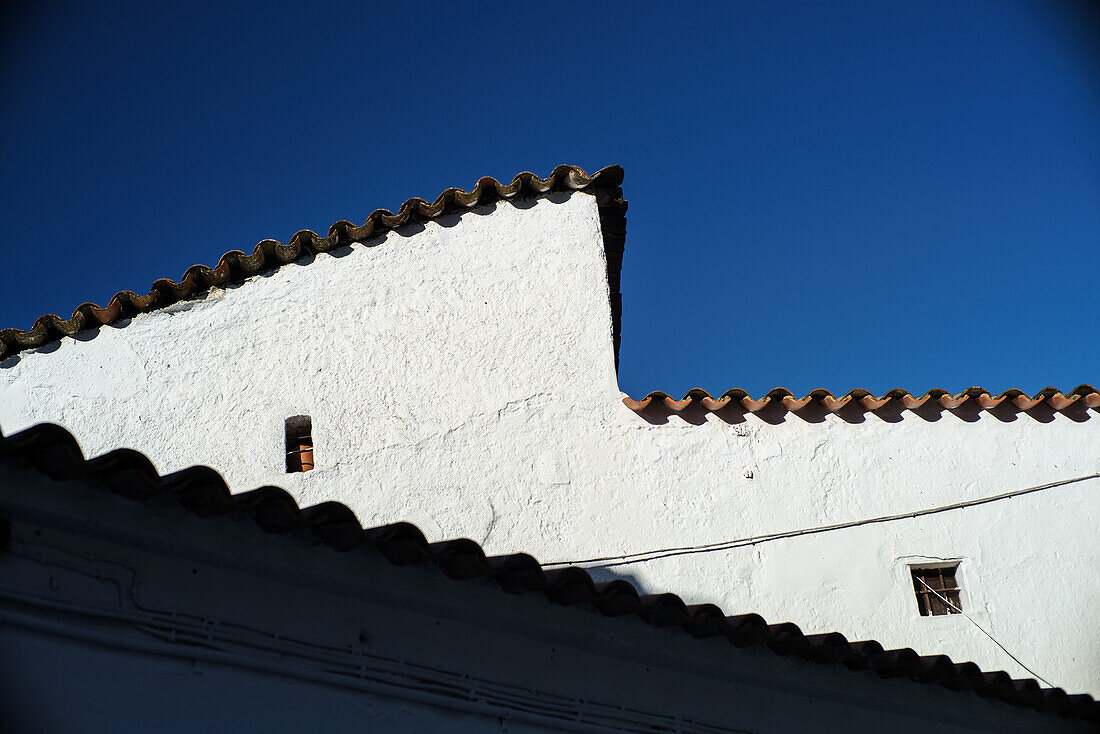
[461,377]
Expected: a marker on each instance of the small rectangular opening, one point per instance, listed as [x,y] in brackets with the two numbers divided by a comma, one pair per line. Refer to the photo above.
[937,589]
[299,444]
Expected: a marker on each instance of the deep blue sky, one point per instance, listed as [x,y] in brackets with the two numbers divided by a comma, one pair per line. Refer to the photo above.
[872,195]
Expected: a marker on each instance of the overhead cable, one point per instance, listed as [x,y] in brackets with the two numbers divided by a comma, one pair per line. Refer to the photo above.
[627,559]
[1005,649]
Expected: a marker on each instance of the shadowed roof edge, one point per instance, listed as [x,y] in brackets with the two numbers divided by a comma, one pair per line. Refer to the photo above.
[54,452]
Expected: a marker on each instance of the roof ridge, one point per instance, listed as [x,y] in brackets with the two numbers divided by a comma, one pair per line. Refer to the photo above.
[54,452]
[235,266]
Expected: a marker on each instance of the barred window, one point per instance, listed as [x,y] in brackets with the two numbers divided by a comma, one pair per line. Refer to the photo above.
[937,590]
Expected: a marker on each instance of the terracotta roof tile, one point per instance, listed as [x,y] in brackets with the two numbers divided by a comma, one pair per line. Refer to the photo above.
[1081,397]
[54,452]
[235,266]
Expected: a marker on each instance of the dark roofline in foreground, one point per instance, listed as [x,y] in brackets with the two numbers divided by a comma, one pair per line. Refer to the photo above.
[54,451]
[235,266]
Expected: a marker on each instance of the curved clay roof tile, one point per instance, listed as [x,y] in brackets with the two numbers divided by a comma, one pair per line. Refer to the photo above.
[1084,395]
[53,450]
[236,266]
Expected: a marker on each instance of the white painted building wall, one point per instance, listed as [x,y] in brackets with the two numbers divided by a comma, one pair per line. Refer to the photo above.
[460,376]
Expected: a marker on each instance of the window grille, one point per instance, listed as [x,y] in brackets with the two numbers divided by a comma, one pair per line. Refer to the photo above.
[935,584]
[299,444]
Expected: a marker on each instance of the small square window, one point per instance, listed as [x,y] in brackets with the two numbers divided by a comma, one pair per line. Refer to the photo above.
[299,444]
[937,590]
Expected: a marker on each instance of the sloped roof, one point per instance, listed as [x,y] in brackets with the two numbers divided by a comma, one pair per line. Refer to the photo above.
[54,452]
[235,266]
[978,398]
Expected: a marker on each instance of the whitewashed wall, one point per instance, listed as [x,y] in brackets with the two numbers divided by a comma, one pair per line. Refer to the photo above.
[461,377]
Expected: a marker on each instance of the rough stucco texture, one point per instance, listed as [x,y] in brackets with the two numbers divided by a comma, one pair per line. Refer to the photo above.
[460,376]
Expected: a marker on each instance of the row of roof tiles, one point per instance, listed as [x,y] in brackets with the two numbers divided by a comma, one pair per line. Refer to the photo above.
[53,451]
[235,266]
[1081,396]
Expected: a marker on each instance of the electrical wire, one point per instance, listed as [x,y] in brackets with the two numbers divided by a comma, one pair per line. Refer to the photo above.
[627,559]
[1005,649]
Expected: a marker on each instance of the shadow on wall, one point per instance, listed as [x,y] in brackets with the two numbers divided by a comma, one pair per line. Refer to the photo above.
[49,347]
[605,574]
